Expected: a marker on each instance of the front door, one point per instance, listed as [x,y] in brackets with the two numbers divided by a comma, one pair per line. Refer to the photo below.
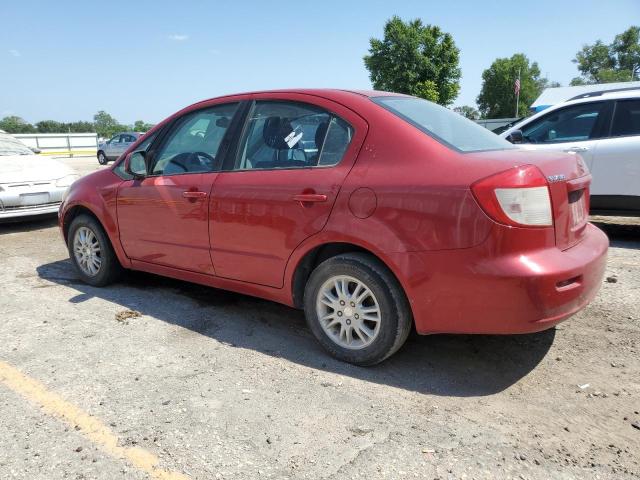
[281,185]
[163,218]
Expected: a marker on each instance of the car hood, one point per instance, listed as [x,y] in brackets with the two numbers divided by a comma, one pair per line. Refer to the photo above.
[31,168]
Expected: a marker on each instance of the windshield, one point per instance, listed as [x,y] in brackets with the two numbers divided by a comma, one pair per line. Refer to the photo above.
[443,124]
[12,146]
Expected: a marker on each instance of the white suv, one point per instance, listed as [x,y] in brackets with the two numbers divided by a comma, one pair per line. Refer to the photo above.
[604,128]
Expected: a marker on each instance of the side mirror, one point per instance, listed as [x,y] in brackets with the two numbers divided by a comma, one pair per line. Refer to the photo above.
[136,164]
[35,150]
[516,137]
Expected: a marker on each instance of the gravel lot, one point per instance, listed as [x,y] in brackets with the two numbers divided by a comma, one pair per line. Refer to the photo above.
[208,384]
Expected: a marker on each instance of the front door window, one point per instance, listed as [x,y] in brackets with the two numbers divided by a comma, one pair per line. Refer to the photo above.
[192,146]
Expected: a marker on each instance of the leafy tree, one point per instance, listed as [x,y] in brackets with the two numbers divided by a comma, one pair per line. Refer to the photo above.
[415,59]
[626,48]
[617,62]
[15,124]
[140,126]
[82,127]
[497,97]
[468,112]
[107,126]
[51,126]
[575,81]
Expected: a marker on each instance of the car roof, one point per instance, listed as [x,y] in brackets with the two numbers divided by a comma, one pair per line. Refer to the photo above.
[329,93]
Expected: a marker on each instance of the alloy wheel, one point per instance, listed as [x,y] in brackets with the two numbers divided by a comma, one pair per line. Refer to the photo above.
[87,252]
[348,312]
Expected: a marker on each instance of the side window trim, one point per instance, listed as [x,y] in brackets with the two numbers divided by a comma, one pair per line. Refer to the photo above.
[605,123]
[161,140]
[236,130]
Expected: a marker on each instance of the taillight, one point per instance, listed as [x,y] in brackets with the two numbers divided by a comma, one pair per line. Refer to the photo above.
[518,197]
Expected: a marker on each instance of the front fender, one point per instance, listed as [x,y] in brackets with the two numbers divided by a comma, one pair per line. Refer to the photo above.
[96,193]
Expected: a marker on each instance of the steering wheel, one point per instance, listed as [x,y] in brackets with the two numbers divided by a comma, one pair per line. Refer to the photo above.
[210,160]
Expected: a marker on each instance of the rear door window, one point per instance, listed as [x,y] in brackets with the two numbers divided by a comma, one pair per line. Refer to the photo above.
[283,134]
[626,120]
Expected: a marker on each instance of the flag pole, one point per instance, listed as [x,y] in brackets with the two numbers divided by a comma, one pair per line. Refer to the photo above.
[518,94]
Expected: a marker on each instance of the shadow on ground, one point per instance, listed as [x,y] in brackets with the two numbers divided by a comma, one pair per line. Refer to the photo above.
[452,365]
[621,235]
[28,224]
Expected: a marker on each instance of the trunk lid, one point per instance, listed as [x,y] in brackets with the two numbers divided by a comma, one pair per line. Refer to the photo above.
[569,181]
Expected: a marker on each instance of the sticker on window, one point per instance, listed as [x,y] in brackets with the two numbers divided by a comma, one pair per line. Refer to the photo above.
[293,138]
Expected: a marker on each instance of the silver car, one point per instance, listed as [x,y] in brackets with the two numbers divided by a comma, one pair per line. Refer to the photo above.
[116,146]
[30,184]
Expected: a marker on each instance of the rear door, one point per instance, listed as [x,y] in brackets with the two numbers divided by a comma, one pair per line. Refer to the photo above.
[616,169]
[574,128]
[280,186]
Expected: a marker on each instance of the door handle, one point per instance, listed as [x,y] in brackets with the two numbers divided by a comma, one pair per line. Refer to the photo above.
[191,194]
[309,197]
[576,149]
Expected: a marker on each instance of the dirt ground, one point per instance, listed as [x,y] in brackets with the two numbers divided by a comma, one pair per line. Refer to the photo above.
[205,384]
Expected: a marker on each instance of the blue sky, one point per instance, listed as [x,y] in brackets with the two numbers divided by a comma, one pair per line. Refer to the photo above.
[144,60]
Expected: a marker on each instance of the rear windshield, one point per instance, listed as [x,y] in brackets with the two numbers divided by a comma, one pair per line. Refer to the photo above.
[443,124]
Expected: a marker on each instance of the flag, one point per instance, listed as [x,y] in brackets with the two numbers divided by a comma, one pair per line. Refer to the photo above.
[517,86]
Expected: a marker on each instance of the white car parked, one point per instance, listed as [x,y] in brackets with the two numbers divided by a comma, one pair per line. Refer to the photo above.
[30,184]
[604,128]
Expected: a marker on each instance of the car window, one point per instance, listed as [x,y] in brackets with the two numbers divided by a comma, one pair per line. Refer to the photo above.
[570,124]
[128,138]
[115,139]
[192,144]
[443,125]
[281,134]
[626,120]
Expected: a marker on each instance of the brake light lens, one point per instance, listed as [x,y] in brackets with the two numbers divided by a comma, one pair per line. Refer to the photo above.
[517,197]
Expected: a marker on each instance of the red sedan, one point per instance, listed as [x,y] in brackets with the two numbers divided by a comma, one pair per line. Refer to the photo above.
[371,211]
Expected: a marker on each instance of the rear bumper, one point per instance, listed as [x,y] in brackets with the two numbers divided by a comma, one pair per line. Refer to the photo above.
[478,291]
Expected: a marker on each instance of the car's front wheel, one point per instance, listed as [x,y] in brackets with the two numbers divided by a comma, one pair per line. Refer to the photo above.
[102,158]
[91,252]
[356,309]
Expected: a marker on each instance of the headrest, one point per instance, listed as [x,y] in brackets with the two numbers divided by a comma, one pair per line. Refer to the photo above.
[275,131]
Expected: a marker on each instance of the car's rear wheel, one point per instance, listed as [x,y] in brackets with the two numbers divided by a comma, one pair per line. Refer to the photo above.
[91,252]
[102,158]
[356,309]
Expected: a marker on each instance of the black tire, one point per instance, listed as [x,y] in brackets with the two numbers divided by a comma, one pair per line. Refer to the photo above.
[395,313]
[110,268]
[102,158]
